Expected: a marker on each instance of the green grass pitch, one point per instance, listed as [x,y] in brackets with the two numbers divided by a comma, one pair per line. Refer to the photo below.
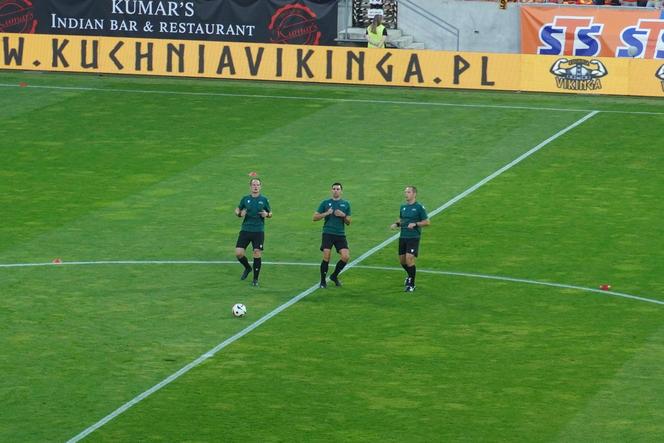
[107,169]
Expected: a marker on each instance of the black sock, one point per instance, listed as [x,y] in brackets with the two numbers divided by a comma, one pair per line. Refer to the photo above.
[338,268]
[244,262]
[324,265]
[411,274]
[257,267]
[405,268]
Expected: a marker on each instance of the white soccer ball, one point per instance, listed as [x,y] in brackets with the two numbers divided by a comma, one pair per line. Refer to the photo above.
[632,51]
[239,310]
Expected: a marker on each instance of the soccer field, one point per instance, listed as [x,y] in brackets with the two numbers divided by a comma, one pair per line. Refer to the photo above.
[535,201]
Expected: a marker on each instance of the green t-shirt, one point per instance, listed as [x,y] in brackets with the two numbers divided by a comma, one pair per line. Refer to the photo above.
[333,224]
[253,222]
[411,214]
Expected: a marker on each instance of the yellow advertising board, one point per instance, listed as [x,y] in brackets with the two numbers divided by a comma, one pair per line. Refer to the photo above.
[590,75]
[320,64]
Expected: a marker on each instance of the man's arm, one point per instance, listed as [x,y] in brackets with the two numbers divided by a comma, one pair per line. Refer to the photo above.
[322,215]
[345,218]
[240,211]
[342,215]
[420,223]
[267,211]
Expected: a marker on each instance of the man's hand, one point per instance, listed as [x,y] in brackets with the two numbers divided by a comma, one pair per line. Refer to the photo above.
[339,213]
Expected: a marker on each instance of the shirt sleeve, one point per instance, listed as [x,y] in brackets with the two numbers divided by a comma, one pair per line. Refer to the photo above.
[348,212]
[423,213]
[241,205]
[267,205]
[321,208]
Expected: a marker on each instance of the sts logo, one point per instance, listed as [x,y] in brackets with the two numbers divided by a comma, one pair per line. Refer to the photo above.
[575,36]
[647,37]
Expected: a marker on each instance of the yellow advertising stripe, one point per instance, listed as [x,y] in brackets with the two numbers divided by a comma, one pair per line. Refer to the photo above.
[257,61]
[340,65]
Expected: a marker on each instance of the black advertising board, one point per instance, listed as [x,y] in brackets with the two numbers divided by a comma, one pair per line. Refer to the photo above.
[310,22]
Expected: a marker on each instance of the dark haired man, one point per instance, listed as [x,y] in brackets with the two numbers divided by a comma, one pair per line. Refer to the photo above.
[336,212]
[412,216]
[255,208]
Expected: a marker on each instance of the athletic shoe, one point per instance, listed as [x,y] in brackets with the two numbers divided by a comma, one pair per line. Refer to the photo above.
[335,279]
[254,283]
[323,285]
[245,273]
[410,289]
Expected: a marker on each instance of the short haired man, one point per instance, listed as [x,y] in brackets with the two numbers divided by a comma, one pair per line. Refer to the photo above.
[255,208]
[336,212]
[412,217]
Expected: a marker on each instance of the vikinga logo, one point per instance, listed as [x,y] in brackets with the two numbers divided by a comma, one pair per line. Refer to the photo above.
[577,36]
[578,74]
[17,16]
[660,75]
[296,24]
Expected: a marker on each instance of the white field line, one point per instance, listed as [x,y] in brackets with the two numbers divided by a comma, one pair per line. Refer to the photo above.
[523,280]
[324,99]
[308,291]
[383,268]
[145,262]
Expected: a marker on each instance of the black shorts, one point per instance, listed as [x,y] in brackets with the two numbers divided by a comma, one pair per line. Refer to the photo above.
[338,241]
[409,246]
[255,238]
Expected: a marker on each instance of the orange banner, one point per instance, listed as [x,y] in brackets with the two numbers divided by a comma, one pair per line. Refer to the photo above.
[592,32]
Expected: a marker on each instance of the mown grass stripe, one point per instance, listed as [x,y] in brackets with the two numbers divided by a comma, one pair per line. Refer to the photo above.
[328,99]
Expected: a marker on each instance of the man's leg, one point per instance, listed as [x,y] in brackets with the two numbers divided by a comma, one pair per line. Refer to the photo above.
[239,254]
[257,265]
[324,266]
[410,268]
[402,262]
[341,264]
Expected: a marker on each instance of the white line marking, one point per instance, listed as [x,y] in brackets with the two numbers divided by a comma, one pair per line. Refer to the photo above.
[384,268]
[193,364]
[146,262]
[306,292]
[523,280]
[513,163]
[328,99]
